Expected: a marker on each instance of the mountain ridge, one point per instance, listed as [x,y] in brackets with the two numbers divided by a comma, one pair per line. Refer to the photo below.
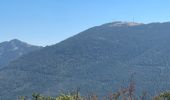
[13,49]
[99,60]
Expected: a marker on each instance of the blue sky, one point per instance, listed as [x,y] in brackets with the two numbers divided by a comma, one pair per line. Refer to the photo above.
[46,22]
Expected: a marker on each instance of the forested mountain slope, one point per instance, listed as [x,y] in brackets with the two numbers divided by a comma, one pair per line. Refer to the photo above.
[98,60]
[11,50]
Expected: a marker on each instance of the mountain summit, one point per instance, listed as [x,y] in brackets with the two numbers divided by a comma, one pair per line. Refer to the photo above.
[11,50]
[98,60]
[121,23]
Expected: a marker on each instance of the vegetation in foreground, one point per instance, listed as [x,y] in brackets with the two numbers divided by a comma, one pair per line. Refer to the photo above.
[127,93]
[123,95]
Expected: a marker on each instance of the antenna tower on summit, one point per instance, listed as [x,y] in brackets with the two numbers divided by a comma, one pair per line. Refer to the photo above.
[133,20]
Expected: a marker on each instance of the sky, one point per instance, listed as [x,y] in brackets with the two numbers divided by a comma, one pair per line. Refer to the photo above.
[46,22]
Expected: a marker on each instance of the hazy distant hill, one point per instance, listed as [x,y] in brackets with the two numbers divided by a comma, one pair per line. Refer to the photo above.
[99,60]
[11,50]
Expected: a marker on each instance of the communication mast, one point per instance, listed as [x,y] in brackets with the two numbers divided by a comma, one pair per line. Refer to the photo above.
[133,20]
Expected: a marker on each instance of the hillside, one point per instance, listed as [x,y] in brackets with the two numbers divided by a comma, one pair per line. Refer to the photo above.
[11,50]
[99,60]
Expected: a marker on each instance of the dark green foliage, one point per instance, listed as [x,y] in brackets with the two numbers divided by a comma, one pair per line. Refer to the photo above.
[165,95]
[35,96]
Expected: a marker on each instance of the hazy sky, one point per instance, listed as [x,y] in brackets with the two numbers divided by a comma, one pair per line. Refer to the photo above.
[45,22]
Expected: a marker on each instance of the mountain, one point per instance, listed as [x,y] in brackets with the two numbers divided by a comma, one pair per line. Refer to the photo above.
[11,50]
[100,59]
